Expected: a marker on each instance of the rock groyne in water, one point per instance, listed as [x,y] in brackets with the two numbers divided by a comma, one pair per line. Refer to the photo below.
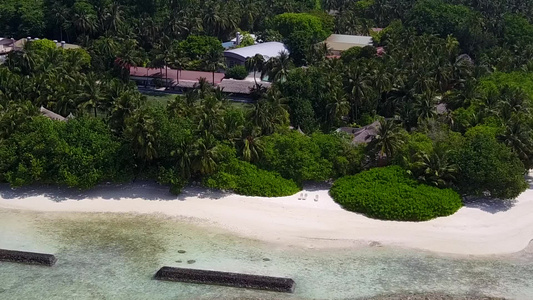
[27,257]
[278,284]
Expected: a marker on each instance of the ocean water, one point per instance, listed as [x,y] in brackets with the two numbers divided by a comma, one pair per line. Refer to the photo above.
[110,256]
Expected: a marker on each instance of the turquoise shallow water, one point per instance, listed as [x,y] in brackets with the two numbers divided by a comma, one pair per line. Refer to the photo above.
[109,256]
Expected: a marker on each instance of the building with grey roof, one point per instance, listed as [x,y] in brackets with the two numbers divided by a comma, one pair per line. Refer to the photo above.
[338,43]
[361,135]
[238,56]
[52,115]
[6,45]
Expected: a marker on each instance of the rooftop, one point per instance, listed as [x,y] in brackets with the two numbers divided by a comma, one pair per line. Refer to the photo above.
[52,115]
[362,135]
[268,50]
[239,86]
[342,42]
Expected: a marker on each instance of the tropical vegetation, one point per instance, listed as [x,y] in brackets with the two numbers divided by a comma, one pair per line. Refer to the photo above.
[446,86]
[389,193]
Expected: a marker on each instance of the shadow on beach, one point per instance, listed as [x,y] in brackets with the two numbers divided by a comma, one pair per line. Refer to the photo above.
[492,206]
[202,193]
[145,190]
[495,206]
[313,186]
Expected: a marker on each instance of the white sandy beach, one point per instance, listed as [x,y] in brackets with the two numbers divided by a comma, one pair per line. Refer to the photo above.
[478,228]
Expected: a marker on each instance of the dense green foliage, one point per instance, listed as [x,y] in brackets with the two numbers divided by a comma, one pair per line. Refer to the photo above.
[246,179]
[391,194]
[195,51]
[79,153]
[318,157]
[450,88]
[487,166]
[237,72]
[497,81]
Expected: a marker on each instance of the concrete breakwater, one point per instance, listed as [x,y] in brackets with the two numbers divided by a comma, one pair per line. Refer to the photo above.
[277,284]
[27,257]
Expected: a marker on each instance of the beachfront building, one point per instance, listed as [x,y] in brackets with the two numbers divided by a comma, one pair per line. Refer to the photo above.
[185,80]
[361,135]
[53,116]
[19,44]
[338,43]
[238,56]
[170,78]
[6,45]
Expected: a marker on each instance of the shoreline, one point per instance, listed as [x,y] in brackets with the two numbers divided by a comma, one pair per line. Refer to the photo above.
[478,228]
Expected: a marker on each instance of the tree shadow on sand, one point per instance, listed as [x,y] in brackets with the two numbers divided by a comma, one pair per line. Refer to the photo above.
[202,193]
[494,205]
[490,205]
[150,191]
[144,190]
[313,186]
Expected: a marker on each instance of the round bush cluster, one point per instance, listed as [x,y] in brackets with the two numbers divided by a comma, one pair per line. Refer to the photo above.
[246,179]
[390,193]
[237,72]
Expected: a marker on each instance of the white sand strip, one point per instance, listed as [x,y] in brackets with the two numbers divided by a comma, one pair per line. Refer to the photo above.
[491,229]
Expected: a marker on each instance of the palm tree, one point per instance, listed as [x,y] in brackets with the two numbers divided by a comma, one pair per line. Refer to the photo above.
[84,22]
[185,155]
[206,155]
[179,107]
[278,68]
[382,10]
[129,56]
[260,116]
[515,100]
[22,61]
[251,146]
[177,60]
[142,135]
[123,107]
[519,137]
[106,46]
[359,86]
[255,63]
[270,112]
[213,62]
[210,117]
[114,17]
[15,113]
[387,140]
[64,104]
[92,94]
[251,12]
[337,106]
[202,88]
[435,169]
[176,26]
[60,14]
[425,106]
[213,18]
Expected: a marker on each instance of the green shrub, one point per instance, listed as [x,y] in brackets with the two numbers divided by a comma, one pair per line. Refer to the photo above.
[80,153]
[171,177]
[391,194]
[237,72]
[488,167]
[246,179]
